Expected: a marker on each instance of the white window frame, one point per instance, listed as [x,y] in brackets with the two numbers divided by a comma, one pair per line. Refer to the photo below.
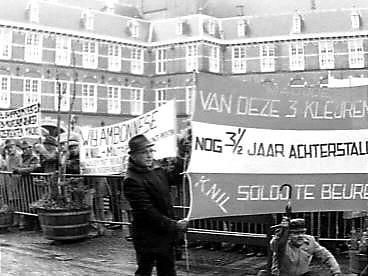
[326,54]
[214,59]
[356,53]
[89,97]
[136,60]
[161,96]
[296,56]
[63,50]
[242,28]
[189,99]
[65,87]
[31,91]
[136,101]
[6,37]
[88,18]
[191,57]
[161,60]
[239,59]
[90,54]
[113,99]
[179,28]
[4,91]
[211,25]
[114,57]
[33,47]
[267,57]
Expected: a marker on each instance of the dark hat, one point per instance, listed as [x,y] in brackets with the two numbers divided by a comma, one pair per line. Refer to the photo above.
[297,224]
[9,142]
[139,143]
[50,140]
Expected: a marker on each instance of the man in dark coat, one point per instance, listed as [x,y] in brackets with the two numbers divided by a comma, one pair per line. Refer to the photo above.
[154,229]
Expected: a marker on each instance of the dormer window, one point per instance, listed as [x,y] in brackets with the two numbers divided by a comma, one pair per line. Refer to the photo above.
[355,20]
[297,24]
[87,19]
[211,27]
[242,27]
[33,11]
[180,28]
[133,27]
[109,6]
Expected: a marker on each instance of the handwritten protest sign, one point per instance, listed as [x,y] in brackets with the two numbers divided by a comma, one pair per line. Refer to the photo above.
[248,140]
[20,123]
[105,149]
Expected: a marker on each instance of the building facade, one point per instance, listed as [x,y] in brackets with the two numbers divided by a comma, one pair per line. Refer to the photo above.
[115,67]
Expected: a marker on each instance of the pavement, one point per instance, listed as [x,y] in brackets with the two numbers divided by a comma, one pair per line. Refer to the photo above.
[111,254]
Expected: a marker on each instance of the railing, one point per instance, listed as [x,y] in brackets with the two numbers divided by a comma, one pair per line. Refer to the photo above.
[19,191]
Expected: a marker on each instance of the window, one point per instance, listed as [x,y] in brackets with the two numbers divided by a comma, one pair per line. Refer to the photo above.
[114,57]
[267,53]
[33,47]
[90,56]
[296,56]
[89,98]
[133,28]
[211,25]
[33,11]
[160,97]
[161,61]
[62,87]
[242,28]
[179,28]
[4,91]
[113,99]
[136,61]
[214,59]
[326,55]
[189,100]
[297,24]
[356,54]
[31,88]
[136,101]
[87,19]
[191,57]
[355,20]
[239,59]
[63,49]
[5,43]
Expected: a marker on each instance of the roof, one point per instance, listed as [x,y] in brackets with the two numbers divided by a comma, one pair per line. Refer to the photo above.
[63,18]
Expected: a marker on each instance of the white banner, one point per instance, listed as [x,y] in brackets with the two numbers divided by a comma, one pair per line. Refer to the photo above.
[231,149]
[105,149]
[20,123]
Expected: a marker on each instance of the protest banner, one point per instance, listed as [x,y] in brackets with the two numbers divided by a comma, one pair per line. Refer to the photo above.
[20,123]
[105,149]
[249,139]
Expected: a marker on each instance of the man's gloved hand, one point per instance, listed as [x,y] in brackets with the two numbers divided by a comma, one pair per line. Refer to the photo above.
[182,225]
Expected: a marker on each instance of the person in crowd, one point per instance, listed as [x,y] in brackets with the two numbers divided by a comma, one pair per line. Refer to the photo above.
[48,154]
[30,161]
[293,250]
[154,227]
[72,159]
[13,157]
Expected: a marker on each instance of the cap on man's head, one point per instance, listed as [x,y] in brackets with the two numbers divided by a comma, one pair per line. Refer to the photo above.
[297,224]
[9,142]
[139,143]
[25,145]
[49,140]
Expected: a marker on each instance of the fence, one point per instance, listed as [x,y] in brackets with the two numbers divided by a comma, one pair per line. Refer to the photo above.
[19,191]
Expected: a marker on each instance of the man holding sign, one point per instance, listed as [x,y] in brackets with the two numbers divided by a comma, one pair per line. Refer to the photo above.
[146,186]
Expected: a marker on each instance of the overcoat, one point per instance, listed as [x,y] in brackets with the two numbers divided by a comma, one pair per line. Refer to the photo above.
[154,225]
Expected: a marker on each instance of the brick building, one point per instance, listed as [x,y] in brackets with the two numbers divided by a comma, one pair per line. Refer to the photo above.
[120,65]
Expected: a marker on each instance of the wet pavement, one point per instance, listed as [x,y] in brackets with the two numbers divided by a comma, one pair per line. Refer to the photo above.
[28,253]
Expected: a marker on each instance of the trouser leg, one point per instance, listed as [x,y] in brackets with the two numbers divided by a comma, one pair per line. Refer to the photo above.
[145,262]
[165,264]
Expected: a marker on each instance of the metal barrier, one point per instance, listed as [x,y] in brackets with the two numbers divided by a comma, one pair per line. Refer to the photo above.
[19,191]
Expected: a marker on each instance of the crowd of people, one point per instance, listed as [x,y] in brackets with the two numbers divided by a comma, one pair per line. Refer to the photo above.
[26,156]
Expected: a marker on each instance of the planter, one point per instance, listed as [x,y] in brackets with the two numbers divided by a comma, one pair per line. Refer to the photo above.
[357,261]
[64,224]
[6,219]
